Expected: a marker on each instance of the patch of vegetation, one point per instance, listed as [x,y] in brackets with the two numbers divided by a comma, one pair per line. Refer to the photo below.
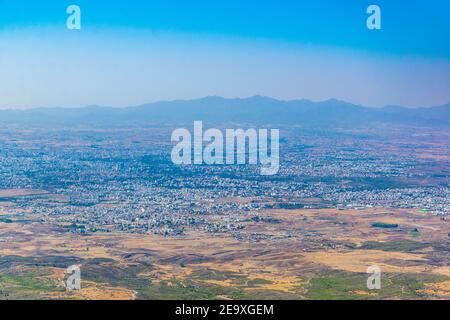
[336,288]
[414,233]
[258,282]
[385,225]
[185,290]
[5,220]
[265,219]
[189,289]
[350,286]
[30,284]
[399,246]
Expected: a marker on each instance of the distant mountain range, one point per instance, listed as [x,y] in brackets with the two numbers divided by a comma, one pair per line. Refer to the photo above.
[258,109]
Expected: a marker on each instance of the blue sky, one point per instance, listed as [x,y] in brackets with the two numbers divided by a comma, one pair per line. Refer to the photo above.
[132,52]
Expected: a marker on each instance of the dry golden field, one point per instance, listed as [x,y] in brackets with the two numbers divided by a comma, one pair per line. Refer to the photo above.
[311,254]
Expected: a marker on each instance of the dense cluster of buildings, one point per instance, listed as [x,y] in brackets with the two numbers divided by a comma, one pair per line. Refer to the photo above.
[104,181]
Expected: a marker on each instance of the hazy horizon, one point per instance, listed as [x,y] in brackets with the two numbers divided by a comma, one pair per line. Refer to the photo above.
[140,53]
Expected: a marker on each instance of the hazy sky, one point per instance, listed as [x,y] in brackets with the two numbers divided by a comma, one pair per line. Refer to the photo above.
[133,52]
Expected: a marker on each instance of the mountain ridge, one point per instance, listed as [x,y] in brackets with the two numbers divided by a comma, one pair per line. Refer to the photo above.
[256,109]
